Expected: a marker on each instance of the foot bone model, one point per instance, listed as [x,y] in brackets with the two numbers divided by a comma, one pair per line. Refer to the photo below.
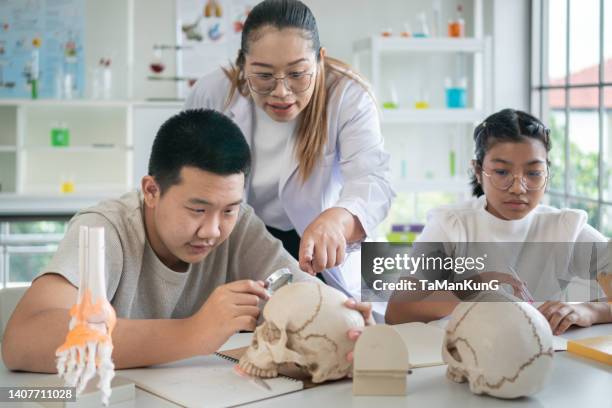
[88,346]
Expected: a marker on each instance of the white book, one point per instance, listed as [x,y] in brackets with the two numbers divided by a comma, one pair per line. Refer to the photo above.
[423,342]
[206,381]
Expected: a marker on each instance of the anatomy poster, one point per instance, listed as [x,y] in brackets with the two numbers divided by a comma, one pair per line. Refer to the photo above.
[208,35]
[41,39]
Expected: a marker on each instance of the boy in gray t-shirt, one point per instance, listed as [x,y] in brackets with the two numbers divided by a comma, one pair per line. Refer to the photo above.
[185,258]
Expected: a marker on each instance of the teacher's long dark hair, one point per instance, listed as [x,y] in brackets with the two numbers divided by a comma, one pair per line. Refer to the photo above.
[312,128]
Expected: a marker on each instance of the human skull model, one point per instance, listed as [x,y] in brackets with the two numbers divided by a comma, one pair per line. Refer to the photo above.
[503,349]
[306,323]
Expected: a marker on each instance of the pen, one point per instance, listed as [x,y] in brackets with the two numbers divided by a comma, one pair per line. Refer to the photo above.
[524,291]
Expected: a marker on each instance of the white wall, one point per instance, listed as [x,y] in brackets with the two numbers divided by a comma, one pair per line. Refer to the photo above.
[343,21]
[340,23]
[506,21]
[154,23]
[116,28]
[106,36]
[509,24]
[147,121]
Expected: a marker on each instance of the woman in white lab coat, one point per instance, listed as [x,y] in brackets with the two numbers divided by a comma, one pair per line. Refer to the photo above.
[319,171]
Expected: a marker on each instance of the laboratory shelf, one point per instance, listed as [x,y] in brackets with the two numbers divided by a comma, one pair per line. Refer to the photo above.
[66,102]
[451,185]
[77,149]
[414,71]
[93,103]
[435,45]
[434,116]
[12,204]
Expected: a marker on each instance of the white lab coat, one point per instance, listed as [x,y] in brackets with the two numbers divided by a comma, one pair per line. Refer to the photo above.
[353,173]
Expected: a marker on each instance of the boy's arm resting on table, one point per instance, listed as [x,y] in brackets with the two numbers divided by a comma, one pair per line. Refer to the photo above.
[40,323]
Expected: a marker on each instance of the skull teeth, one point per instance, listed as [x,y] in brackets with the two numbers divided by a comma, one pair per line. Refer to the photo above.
[251,369]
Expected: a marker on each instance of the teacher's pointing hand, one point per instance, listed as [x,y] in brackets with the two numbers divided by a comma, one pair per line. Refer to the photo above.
[323,244]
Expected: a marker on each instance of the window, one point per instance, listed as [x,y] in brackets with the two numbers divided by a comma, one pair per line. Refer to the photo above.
[26,248]
[572,94]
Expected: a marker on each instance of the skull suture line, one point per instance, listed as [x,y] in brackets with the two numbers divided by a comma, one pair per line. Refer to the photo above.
[306,323]
[503,349]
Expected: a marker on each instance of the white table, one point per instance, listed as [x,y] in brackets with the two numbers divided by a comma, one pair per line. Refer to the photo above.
[575,382]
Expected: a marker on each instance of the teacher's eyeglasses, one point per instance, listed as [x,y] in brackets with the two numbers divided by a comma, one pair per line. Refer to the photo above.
[264,83]
[531,181]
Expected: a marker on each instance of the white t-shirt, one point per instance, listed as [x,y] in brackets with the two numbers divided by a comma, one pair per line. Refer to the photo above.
[471,222]
[540,248]
[140,286]
[269,146]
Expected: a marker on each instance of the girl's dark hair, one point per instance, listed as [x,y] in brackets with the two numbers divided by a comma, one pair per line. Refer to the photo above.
[279,14]
[508,125]
[201,138]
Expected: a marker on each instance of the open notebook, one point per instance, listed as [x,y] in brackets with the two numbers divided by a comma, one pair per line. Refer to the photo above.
[206,381]
[423,342]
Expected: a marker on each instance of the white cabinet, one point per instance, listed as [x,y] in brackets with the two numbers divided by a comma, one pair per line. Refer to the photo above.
[8,148]
[109,140]
[103,153]
[95,154]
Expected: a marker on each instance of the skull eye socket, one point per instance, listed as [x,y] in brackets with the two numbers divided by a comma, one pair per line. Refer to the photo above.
[254,342]
[271,333]
[313,367]
[455,353]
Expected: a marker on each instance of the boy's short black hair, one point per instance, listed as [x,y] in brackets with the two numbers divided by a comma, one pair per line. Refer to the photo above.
[200,138]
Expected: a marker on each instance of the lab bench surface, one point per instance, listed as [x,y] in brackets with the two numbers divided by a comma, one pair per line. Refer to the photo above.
[575,382]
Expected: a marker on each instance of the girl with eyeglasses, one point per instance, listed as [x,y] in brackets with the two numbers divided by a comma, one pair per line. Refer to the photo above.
[510,174]
[319,179]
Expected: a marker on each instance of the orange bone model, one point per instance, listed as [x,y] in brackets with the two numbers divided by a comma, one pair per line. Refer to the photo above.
[85,313]
[88,346]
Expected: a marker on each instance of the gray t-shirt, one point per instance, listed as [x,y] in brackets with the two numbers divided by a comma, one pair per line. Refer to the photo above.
[140,286]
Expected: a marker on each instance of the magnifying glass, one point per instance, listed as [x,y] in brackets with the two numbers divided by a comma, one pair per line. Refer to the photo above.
[278,279]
